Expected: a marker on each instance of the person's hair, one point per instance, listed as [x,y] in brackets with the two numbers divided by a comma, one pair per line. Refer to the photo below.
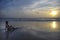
[6,22]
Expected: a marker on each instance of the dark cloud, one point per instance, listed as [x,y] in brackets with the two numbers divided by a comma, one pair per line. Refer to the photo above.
[15,3]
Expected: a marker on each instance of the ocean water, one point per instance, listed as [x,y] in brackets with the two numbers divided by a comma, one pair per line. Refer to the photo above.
[31,30]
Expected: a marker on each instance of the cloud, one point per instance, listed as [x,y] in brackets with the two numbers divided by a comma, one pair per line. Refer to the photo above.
[24,8]
[15,3]
[44,3]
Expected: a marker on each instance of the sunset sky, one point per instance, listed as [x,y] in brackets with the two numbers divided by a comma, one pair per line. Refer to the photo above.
[29,8]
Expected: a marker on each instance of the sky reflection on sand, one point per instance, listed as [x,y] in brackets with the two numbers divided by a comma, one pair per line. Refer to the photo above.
[32,31]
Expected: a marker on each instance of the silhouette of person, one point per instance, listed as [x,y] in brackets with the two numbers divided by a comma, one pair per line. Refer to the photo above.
[9,28]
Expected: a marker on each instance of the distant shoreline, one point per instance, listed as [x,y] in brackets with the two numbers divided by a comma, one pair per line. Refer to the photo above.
[30,19]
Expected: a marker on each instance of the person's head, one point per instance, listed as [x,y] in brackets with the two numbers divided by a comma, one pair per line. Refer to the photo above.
[6,22]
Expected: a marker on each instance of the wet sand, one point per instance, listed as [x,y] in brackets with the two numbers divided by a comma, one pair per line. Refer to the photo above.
[28,34]
[49,30]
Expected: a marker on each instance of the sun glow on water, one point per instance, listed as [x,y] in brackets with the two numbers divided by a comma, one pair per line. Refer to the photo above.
[54,25]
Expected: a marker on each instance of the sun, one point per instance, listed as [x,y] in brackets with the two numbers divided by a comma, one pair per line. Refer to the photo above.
[54,12]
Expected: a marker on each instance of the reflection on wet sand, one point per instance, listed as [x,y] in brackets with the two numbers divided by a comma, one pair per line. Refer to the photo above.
[33,31]
[7,35]
[54,25]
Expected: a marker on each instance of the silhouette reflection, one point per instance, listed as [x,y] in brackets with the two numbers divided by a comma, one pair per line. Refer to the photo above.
[7,33]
